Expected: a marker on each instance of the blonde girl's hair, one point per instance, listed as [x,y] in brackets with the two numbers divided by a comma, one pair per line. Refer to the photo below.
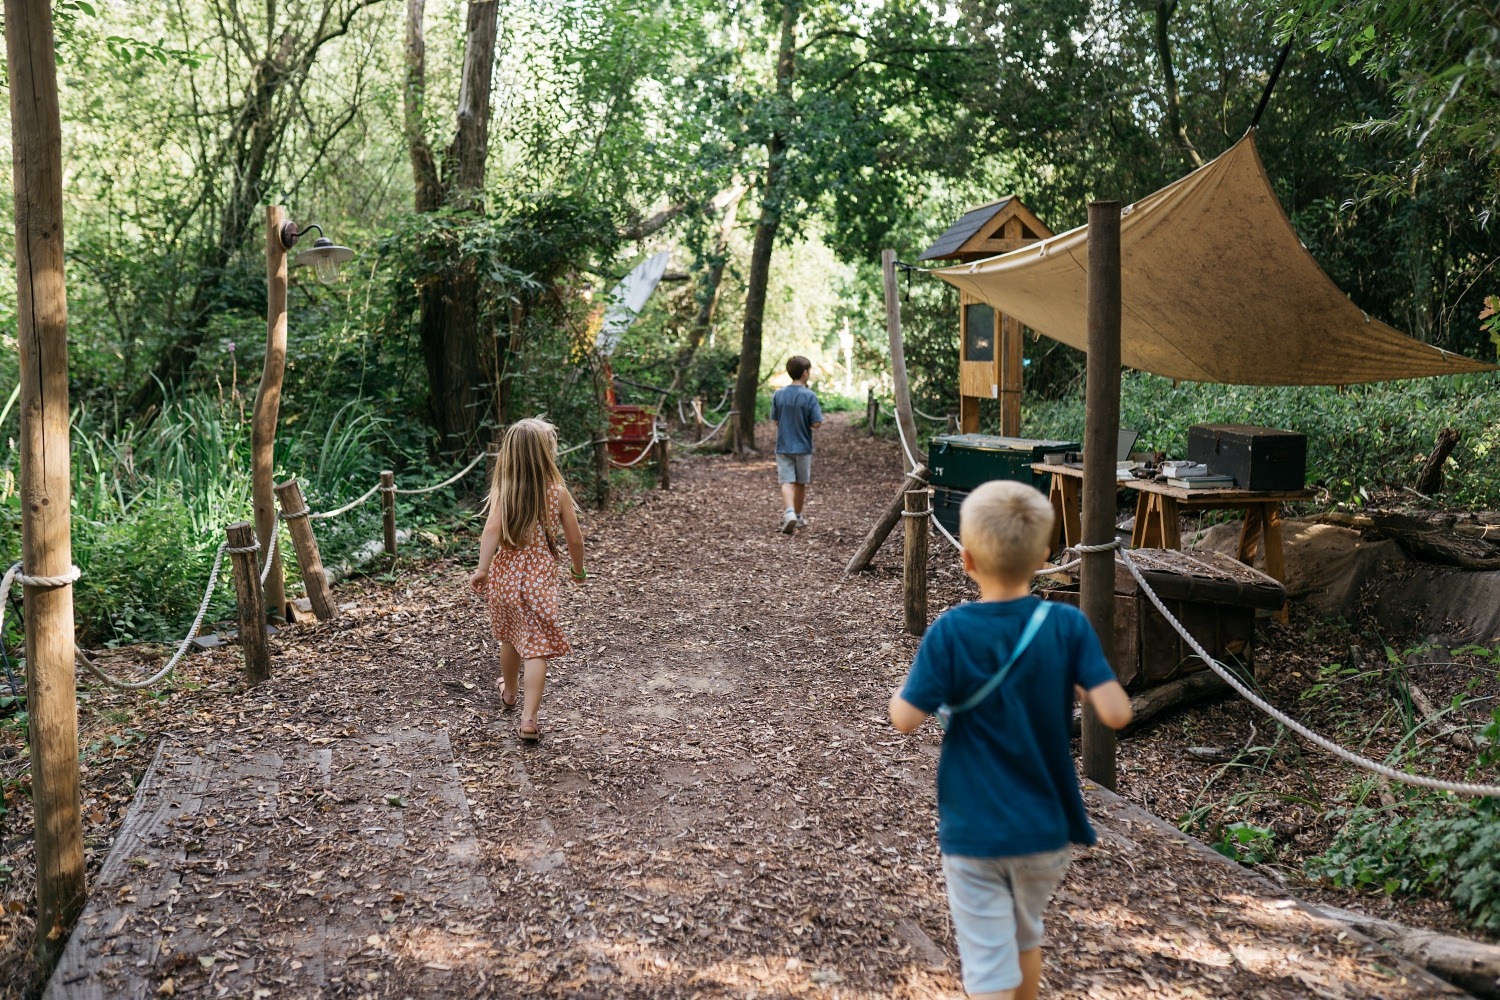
[524,476]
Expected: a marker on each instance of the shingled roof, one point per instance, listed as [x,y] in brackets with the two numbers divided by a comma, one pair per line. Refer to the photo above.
[958,234]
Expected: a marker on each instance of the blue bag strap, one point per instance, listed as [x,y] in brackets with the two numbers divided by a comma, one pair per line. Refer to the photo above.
[1033,626]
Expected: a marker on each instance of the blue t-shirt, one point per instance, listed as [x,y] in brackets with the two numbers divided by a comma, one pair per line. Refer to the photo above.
[795,409]
[1006,784]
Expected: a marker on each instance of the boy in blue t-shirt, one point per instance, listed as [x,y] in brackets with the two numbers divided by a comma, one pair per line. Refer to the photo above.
[797,413]
[1008,798]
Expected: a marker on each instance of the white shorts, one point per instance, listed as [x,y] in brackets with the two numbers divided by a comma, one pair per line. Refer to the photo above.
[997,906]
[793,468]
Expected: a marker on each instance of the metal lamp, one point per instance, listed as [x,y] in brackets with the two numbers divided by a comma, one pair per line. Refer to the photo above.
[325,257]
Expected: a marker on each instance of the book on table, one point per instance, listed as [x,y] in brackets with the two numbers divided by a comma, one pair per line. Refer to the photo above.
[1201,482]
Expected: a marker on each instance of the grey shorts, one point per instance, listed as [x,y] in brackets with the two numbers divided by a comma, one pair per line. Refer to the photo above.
[997,906]
[793,468]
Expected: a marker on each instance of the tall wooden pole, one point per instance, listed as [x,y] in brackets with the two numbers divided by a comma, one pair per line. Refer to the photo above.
[267,407]
[46,545]
[1096,597]
[906,422]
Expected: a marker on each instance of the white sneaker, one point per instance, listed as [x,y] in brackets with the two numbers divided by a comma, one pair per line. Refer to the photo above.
[801,521]
[788,522]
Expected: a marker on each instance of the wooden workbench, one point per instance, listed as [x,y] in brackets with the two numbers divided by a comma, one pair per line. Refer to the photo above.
[1159,509]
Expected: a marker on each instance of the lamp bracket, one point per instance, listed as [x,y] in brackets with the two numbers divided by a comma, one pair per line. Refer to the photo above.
[290,233]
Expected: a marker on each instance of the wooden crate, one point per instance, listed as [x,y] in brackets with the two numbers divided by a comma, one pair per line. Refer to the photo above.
[1215,597]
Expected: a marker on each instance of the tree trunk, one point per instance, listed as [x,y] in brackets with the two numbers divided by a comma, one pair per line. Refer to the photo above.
[747,384]
[451,326]
[1430,481]
[1473,966]
[1163,11]
[713,283]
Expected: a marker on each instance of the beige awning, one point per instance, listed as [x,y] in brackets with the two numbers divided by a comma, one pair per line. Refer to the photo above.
[1216,287]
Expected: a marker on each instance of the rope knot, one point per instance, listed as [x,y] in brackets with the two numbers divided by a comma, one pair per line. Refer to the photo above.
[63,579]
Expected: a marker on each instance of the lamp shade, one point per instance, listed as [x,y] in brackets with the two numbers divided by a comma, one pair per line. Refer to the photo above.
[325,257]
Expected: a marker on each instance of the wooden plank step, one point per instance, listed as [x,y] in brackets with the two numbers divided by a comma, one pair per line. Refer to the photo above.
[319,863]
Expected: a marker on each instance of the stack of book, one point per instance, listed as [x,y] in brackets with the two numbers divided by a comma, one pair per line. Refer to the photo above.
[1203,482]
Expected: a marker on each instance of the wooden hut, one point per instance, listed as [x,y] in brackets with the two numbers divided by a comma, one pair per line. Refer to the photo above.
[989,343]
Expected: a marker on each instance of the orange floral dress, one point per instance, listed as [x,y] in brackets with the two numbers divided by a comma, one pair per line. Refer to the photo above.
[523,592]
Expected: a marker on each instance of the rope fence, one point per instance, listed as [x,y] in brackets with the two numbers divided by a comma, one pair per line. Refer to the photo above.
[1122,555]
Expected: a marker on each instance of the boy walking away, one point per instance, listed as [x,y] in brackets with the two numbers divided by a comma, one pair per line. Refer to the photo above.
[1000,673]
[797,414]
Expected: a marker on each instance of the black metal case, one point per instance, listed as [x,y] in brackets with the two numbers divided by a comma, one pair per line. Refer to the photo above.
[1259,458]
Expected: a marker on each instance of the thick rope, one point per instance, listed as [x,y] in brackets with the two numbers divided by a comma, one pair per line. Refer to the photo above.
[716,409]
[1365,763]
[265,571]
[901,432]
[713,433]
[645,452]
[348,506]
[569,451]
[446,482]
[928,416]
[61,580]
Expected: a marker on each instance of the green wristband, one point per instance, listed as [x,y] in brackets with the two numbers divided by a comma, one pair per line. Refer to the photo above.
[580,574]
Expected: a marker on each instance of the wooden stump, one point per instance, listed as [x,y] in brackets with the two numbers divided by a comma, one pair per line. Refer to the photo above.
[917,513]
[388,509]
[1430,481]
[243,551]
[294,512]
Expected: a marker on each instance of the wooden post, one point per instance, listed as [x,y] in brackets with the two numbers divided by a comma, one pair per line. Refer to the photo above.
[601,472]
[46,547]
[907,424]
[388,509]
[664,462]
[1096,596]
[1010,351]
[309,561]
[247,592]
[862,558]
[872,411]
[697,419]
[917,513]
[267,406]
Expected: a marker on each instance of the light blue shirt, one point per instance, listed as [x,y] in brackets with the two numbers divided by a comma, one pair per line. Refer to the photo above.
[795,409]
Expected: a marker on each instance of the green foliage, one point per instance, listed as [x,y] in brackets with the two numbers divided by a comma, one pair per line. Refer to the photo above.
[1246,843]
[1362,437]
[1434,845]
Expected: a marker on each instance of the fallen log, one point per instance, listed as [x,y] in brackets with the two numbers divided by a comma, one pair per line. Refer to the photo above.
[1469,965]
[1154,701]
[915,480]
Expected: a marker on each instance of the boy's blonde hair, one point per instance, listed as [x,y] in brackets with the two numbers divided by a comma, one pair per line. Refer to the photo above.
[1008,528]
[524,476]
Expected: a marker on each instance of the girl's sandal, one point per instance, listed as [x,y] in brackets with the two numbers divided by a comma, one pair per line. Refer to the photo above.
[509,705]
[529,731]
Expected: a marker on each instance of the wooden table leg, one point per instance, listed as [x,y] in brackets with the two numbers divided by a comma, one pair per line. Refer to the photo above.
[1250,534]
[1275,556]
[1072,501]
[1171,523]
[1059,509]
[1141,535]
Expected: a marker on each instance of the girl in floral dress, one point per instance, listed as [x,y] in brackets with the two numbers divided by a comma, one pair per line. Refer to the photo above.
[518,563]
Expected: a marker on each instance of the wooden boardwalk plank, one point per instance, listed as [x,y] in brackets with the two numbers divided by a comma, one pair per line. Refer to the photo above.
[200,887]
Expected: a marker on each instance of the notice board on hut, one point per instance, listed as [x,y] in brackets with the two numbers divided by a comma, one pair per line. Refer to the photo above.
[990,362]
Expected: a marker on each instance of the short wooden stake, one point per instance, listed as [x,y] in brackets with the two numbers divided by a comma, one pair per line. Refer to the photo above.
[294,512]
[601,472]
[872,412]
[914,570]
[697,419]
[251,602]
[664,462]
[388,509]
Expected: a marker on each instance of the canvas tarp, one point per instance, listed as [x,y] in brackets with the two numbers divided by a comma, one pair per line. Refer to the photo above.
[1216,287]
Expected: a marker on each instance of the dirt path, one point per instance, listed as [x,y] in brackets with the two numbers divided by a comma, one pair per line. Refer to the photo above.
[718,808]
